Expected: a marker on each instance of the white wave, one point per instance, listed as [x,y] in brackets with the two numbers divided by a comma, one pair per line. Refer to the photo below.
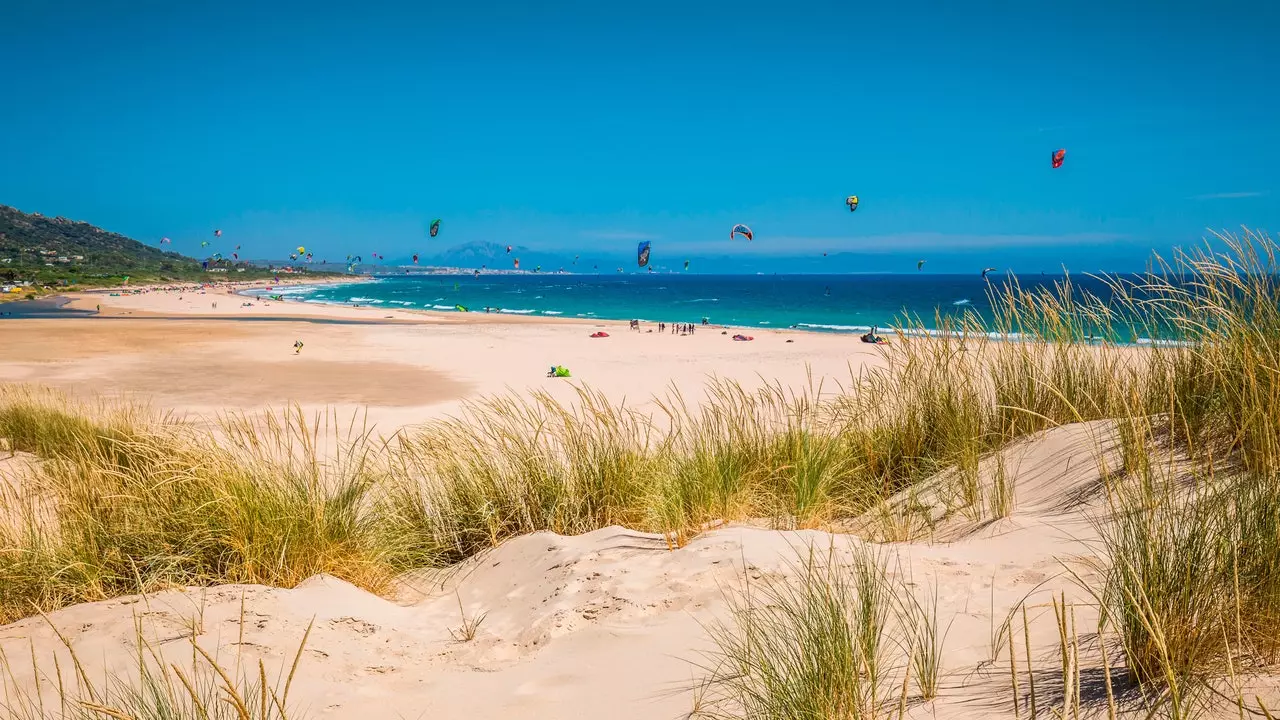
[839,328]
[518,312]
[552,312]
[964,301]
[443,307]
[698,300]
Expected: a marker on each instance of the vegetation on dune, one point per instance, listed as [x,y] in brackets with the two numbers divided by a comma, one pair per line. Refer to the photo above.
[124,500]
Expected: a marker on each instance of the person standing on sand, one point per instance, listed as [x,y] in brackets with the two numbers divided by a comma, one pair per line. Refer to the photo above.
[297,347]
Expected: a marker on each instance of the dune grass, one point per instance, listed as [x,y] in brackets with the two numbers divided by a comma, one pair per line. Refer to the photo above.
[204,687]
[124,500]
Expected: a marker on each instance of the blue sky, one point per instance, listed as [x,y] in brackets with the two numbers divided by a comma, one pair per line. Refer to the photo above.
[585,126]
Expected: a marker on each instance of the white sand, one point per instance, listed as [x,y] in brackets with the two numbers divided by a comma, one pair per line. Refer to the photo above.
[185,354]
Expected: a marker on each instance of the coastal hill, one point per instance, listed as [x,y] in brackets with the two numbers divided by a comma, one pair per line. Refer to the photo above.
[47,250]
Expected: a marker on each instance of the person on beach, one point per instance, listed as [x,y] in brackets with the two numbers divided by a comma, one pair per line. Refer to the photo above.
[297,347]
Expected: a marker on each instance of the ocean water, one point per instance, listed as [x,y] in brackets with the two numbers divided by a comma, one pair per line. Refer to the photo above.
[825,303]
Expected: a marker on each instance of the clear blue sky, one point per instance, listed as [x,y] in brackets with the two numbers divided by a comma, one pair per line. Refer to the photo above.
[582,126]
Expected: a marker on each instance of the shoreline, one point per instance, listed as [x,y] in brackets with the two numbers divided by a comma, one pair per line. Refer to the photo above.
[124,302]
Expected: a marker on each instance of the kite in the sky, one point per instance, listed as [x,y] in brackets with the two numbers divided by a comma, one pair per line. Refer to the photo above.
[302,250]
[1058,156]
[987,270]
[435,227]
[508,249]
[919,265]
[686,264]
[742,230]
[204,243]
[642,253]
[517,263]
[217,233]
[165,241]
[852,202]
[415,258]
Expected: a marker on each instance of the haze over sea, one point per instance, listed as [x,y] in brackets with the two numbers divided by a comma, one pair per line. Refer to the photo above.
[829,303]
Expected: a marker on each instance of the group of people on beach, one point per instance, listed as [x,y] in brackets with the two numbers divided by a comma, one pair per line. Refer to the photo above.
[674,328]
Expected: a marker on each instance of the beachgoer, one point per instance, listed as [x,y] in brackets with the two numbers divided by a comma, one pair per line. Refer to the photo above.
[297,347]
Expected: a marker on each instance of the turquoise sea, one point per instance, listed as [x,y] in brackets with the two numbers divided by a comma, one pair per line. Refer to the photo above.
[826,303]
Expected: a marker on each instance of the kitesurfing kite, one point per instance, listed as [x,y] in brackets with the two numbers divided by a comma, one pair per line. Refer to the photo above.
[217,233]
[575,259]
[204,243]
[852,202]
[1058,156]
[165,241]
[642,253]
[686,264]
[415,258]
[302,250]
[517,263]
[742,230]
[987,270]
[919,265]
[435,227]
[508,249]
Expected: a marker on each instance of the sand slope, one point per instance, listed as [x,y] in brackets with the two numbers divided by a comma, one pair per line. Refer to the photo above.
[607,624]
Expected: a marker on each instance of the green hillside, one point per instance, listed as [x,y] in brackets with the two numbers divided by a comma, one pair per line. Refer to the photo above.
[56,251]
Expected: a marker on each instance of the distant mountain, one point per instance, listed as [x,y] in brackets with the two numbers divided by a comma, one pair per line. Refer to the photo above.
[495,255]
[45,249]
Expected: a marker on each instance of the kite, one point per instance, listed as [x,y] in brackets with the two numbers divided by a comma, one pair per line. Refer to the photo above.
[302,250]
[1058,156]
[852,202]
[642,253]
[919,265]
[204,243]
[987,270]
[461,308]
[517,263]
[217,233]
[415,258]
[293,256]
[742,230]
[686,264]
[435,227]
[575,259]
[165,241]
[508,249]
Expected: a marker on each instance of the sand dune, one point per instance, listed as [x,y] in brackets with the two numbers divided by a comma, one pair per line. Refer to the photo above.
[606,624]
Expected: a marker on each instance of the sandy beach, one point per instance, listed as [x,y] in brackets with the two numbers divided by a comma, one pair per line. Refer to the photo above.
[205,351]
